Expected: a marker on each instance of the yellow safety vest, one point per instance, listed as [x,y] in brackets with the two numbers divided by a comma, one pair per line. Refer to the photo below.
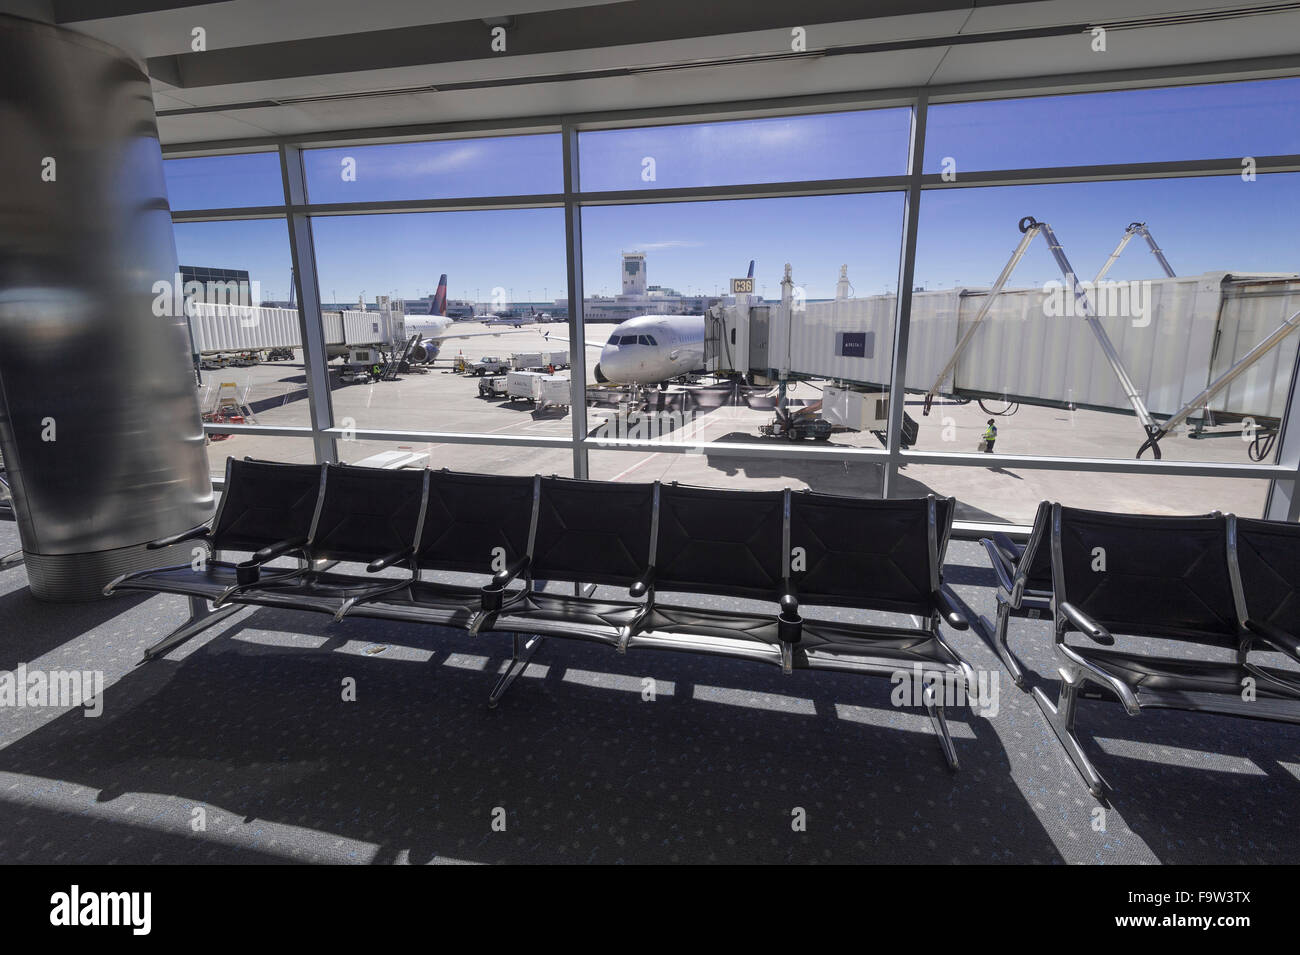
[991,433]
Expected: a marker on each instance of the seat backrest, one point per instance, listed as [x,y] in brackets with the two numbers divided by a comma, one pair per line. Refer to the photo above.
[723,542]
[1268,567]
[265,502]
[1034,569]
[476,523]
[873,554]
[1157,576]
[593,531]
[367,513]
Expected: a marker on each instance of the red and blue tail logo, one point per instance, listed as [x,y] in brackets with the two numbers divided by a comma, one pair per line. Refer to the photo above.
[439,305]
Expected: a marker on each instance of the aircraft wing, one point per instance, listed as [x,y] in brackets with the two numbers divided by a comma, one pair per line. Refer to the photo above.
[564,338]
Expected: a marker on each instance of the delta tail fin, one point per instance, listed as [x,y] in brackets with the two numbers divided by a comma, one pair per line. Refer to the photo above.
[439,304]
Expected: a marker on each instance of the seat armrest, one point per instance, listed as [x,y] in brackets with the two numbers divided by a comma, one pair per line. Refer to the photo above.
[1010,548]
[641,587]
[504,577]
[1085,624]
[1275,637]
[278,549]
[491,596]
[947,607]
[388,560]
[789,625]
[194,533]
[1000,566]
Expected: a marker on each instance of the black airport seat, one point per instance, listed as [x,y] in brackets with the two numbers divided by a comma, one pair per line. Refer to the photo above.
[773,548]
[588,533]
[1265,558]
[1024,574]
[267,510]
[1128,577]
[480,524]
[365,516]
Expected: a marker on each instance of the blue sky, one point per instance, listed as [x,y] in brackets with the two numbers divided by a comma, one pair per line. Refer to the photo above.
[965,234]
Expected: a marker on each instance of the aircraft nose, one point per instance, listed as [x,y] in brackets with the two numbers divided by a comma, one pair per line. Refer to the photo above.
[612,364]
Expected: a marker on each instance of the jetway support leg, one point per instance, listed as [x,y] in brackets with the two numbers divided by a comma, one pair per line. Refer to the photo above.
[1275,338]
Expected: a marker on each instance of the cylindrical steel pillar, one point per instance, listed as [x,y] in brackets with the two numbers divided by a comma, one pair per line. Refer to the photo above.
[99,420]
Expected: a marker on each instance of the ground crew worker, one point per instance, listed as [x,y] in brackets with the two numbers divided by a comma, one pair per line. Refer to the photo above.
[990,435]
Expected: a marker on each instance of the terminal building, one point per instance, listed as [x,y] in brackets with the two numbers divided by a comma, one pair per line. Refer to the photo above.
[940,428]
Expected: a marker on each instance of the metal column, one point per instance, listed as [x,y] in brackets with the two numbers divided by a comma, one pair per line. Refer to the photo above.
[903,301]
[307,289]
[577,325]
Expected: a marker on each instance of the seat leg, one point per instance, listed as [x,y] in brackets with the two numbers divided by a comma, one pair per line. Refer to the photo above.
[201,617]
[11,560]
[523,652]
[939,717]
[1003,648]
[1061,718]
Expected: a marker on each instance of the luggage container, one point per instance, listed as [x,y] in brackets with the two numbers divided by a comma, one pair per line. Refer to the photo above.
[541,389]
[527,360]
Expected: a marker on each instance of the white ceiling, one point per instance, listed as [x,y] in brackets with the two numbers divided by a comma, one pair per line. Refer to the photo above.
[242,23]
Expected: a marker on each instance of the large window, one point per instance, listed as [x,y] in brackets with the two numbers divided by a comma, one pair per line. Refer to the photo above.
[784,149]
[1225,121]
[224,182]
[455,168]
[793,382]
[1036,365]
[501,266]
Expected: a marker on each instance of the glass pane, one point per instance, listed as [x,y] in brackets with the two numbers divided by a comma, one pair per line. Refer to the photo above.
[224,182]
[502,267]
[1012,495]
[250,350]
[1038,369]
[814,368]
[784,149]
[478,459]
[447,169]
[264,447]
[1226,120]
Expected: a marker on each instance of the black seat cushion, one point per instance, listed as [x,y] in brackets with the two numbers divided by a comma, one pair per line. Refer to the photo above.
[475,523]
[1166,675]
[1268,555]
[264,503]
[429,602]
[721,542]
[870,554]
[1161,576]
[593,531]
[367,513]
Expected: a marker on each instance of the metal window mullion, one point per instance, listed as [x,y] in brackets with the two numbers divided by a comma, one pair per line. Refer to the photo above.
[310,322]
[1283,500]
[903,298]
[577,323]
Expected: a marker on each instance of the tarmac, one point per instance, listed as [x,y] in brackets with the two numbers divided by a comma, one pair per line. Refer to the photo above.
[437,399]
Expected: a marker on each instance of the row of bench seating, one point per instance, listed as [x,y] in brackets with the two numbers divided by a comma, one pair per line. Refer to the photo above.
[1209,583]
[1210,588]
[531,536]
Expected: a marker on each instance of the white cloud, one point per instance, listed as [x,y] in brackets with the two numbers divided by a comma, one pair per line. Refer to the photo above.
[667,244]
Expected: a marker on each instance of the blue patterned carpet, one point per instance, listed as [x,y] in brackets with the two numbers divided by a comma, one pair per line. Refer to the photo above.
[238,747]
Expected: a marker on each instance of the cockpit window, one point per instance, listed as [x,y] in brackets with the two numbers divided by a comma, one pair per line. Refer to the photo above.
[648,340]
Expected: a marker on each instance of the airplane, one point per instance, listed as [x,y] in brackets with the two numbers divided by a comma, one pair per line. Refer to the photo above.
[435,327]
[512,320]
[653,349]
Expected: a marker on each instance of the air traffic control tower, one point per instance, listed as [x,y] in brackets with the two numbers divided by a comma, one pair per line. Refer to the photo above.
[634,273]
